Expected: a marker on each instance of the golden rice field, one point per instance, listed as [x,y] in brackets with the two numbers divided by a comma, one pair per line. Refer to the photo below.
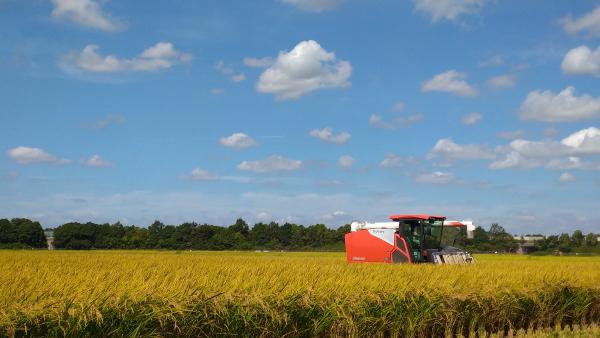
[147,293]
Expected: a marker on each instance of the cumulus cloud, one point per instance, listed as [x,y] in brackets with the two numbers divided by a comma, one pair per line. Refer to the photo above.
[394,161]
[565,106]
[327,135]
[450,82]
[317,6]
[437,178]
[450,151]
[346,162]
[502,81]
[566,178]
[588,23]
[198,174]
[97,161]
[565,154]
[511,134]
[30,155]
[493,61]
[158,57]
[258,62]
[86,13]
[109,120]
[391,161]
[514,160]
[272,163]
[582,61]
[304,69]
[585,141]
[472,118]
[376,120]
[238,141]
[336,215]
[228,71]
[450,10]
[398,107]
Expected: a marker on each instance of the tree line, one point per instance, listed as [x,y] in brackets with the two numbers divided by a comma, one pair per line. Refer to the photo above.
[194,236]
[497,239]
[21,233]
[24,233]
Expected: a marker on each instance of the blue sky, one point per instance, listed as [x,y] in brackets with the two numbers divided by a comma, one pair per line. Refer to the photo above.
[301,110]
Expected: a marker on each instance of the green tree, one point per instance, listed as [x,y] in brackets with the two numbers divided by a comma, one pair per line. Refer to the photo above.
[577,238]
[240,226]
[591,239]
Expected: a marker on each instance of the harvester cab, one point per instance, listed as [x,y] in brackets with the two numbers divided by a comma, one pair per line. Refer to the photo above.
[408,239]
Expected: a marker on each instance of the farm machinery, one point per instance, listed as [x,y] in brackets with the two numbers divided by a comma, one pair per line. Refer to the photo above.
[408,239]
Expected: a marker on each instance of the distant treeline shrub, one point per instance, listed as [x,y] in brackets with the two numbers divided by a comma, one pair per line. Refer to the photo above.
[21,233]
[238,236]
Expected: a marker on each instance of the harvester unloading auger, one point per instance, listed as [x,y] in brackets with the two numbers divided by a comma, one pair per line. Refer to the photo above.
[408,239]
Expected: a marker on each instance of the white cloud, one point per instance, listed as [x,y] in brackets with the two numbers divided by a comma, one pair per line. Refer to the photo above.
[472,118]
[391,161]
[562,107]
[346,162]
[302,70]
[493,61]
[238,77]
[326,135]
[160,56]
[566,178]
[258,63]
[313,5]
[229,72]
[398,107]
[552,154]
[378,121]
[238,141]
[568,163]
[589,23]
[109,120]
[335,215]
[449,151]
[582,61]
[514,160]
[97,161]
[511,135]
[451,82]
[502,81]
[217,91]
[30,155]
[198,174]
[585,141]
[436,177]
[85,13]
[271,164]
[450,10]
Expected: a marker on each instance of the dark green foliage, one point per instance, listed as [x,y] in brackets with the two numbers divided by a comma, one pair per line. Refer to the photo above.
[194,236]
[21,233]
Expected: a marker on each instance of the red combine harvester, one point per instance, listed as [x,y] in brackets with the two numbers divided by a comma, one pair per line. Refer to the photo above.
[408,239]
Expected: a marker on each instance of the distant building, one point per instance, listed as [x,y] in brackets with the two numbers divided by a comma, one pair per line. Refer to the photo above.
[49,239]
[529,239]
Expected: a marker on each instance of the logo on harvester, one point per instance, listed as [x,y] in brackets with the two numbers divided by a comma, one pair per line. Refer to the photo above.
[358,258]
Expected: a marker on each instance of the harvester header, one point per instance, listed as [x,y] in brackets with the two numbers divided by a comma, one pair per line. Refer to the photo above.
[410,238]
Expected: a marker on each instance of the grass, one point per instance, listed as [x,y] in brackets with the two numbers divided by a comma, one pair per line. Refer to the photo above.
[145,293]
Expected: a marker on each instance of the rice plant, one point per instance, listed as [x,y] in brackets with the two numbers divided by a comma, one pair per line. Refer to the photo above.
[163,294]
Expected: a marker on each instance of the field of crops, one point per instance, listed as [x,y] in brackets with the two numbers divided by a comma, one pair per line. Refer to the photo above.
[117,293]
